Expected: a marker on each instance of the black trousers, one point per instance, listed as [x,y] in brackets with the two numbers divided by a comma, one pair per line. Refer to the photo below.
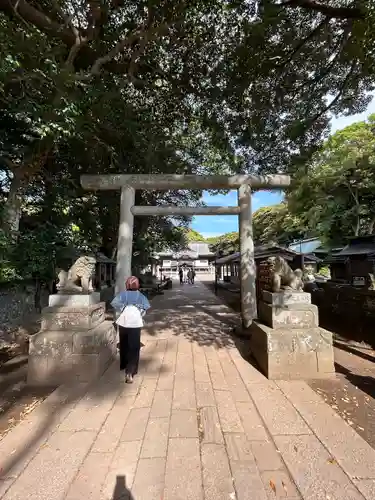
[130,345]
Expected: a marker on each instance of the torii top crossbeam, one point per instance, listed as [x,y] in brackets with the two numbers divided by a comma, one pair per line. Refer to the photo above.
[174,181]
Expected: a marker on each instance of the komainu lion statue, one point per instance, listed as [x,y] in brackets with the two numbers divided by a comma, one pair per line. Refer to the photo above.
[282,276]
[79,277]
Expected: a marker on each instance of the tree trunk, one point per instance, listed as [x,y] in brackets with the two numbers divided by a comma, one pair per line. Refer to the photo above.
[357,227]
[12,207]
[371,227]
[38,295]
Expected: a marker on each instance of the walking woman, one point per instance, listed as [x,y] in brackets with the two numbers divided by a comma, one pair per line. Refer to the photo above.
[132,305]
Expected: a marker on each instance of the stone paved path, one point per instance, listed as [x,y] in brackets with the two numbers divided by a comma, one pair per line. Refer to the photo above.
[199,423]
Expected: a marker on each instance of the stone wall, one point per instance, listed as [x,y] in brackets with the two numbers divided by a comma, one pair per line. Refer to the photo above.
[351,309]
[17,302]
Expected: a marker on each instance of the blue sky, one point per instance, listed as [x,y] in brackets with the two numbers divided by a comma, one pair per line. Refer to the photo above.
[216,224]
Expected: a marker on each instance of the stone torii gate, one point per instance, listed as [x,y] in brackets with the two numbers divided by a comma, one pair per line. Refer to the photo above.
[242,182]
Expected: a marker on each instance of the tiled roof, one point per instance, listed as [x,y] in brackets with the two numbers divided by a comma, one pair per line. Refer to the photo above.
[305,246]
[198,248]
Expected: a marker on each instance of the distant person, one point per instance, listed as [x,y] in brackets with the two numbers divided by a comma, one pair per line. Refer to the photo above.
[181,275]
[192,276]
[132,305]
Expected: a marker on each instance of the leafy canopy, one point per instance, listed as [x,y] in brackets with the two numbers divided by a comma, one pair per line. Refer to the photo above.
[337,193]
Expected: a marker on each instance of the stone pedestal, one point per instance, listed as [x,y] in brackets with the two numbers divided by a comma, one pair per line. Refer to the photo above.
[74,343]
[287,341]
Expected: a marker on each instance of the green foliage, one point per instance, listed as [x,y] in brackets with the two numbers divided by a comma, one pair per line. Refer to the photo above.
[276,224]
[7,270]
[325,271]
[35,253]
[166,87]
[193,235]
[226,244]
[336,195]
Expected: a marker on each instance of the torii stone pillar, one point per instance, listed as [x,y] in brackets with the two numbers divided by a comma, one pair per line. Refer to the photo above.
[243,183]
[247,262]
[125,238]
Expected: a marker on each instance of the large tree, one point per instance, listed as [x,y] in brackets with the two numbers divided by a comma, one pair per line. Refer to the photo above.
[276,224]
[336,192]
[262,77]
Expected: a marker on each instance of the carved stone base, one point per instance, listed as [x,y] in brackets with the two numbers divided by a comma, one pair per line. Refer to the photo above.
[286,298]
[58,357]
[292,353]
[73,318]
[291,316]
[73,299]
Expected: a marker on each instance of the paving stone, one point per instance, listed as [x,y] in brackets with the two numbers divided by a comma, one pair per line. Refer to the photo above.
[218,381]
[278,485]
[298,391]
[149,479]
[184,366]
[5,485]
[110,434]
[353,453]
[210,425]
[247,482]
[238,447]
[184,424]
[152,370]
[266,456]
[251,422]
[313,469]
[249,374]
[201,372]
[276,410]
[123,466]
[20,445]
[217,375]
[165,381]
[162,404]
[205,394]
[229,418]
[184,394]
[84,418]
[238,390]
[366,487]
[63,455]
[213,361]
[146,393]
[136,424]
[156,438]
[217,477]
[131,389]
[90,477]
[183,480]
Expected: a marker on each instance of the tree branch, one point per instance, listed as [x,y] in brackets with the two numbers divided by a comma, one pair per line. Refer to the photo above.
[41,21]
[336,98]
[303,42]
[327,10]
[144,36]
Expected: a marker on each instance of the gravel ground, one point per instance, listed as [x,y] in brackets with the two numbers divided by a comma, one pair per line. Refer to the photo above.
[16,398]
[352,393]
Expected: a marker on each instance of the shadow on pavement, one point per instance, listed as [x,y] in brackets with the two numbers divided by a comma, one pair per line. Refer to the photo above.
[121,492]
[364,382]
[30,435]
[352,350]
